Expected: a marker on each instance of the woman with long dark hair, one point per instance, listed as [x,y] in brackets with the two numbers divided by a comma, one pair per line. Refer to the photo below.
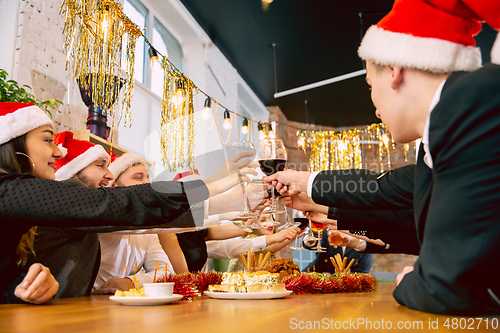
[30,197]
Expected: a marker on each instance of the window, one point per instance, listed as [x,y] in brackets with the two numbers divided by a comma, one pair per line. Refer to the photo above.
[168,46]
[303,258]
[139,14]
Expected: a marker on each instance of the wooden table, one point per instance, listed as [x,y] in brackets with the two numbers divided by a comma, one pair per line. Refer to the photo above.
[355,311]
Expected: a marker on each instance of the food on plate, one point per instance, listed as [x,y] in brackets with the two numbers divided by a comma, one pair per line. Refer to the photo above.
[284,266]
[258,282]
[131,293]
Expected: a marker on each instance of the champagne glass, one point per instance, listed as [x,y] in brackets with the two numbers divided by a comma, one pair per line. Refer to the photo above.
[237,148]
[272,158]
[318,227]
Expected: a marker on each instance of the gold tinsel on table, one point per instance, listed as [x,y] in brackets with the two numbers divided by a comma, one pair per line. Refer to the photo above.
[96,32]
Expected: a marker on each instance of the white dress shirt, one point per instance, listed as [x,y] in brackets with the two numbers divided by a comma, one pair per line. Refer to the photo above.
[230,249]
[425,136]
[118,250]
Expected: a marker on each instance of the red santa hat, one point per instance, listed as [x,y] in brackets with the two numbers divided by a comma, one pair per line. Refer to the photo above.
[187,176]
[17,119]
[429,35]
[78,154]
[121,163]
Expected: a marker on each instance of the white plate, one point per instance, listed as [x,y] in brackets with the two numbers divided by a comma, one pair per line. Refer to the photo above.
[247,295]
[145,300]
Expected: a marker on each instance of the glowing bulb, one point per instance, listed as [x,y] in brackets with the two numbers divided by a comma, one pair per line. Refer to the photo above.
[154,60]
[178,98]
[385,139]
[155,64]
[244,127]
[207,109]
[262,133]
[227,120]
[301,141]
[342,146]
[105,22]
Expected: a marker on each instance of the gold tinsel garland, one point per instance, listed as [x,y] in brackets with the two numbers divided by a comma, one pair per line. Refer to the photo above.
[333,150]
[177,107]
[95,31]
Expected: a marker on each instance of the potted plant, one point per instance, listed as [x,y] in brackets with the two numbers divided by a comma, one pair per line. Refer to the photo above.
[10,91]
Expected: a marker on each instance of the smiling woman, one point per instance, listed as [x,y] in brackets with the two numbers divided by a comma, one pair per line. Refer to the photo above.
[30,196]
[42,151]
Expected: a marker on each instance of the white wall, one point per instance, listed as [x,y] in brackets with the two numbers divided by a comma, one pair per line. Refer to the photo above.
[33,54]
[8,24]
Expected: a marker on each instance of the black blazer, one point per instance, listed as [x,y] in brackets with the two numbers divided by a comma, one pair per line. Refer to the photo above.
[458,214]
[456,204]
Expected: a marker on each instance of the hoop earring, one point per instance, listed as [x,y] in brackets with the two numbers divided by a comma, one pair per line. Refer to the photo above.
[32,164]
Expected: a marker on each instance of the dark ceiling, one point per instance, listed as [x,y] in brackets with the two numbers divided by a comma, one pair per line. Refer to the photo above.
[315,40]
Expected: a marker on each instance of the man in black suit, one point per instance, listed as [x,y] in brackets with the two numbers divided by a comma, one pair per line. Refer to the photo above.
[456,179]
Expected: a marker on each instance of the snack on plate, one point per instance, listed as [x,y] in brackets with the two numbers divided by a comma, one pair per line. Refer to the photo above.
[258,282]
[131,293]
[284,266]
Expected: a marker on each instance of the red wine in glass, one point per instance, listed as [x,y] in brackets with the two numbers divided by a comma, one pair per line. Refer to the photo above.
[270,167]
[304,222]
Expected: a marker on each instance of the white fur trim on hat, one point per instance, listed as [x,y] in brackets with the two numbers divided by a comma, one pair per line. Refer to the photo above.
[80,162]
[63,150]
[22,121]
[384,47]
[495,51]
[124,162]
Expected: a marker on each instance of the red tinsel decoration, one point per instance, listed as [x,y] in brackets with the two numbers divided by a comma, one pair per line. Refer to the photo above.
[183,285]
[203,280]
[316,283]
[193,285]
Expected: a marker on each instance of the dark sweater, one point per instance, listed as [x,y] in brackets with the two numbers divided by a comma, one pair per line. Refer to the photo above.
[26,201]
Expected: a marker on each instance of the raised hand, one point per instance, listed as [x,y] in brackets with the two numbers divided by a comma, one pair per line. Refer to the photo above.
[283,235]
[336,238]
[289,182]
[232,172]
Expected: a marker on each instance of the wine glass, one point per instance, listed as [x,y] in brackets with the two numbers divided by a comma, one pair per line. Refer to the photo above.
[318,227]
[272,158]
[237,148]
[288,224]
[267,219]
[302,223]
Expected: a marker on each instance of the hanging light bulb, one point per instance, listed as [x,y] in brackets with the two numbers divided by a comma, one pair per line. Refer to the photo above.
[105,21]
[244,127]
[342,146]
[262,132]
[270,134]
[227,120]
[207,109]
[301,140]
[178,98]
[385,139]
[154,61]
